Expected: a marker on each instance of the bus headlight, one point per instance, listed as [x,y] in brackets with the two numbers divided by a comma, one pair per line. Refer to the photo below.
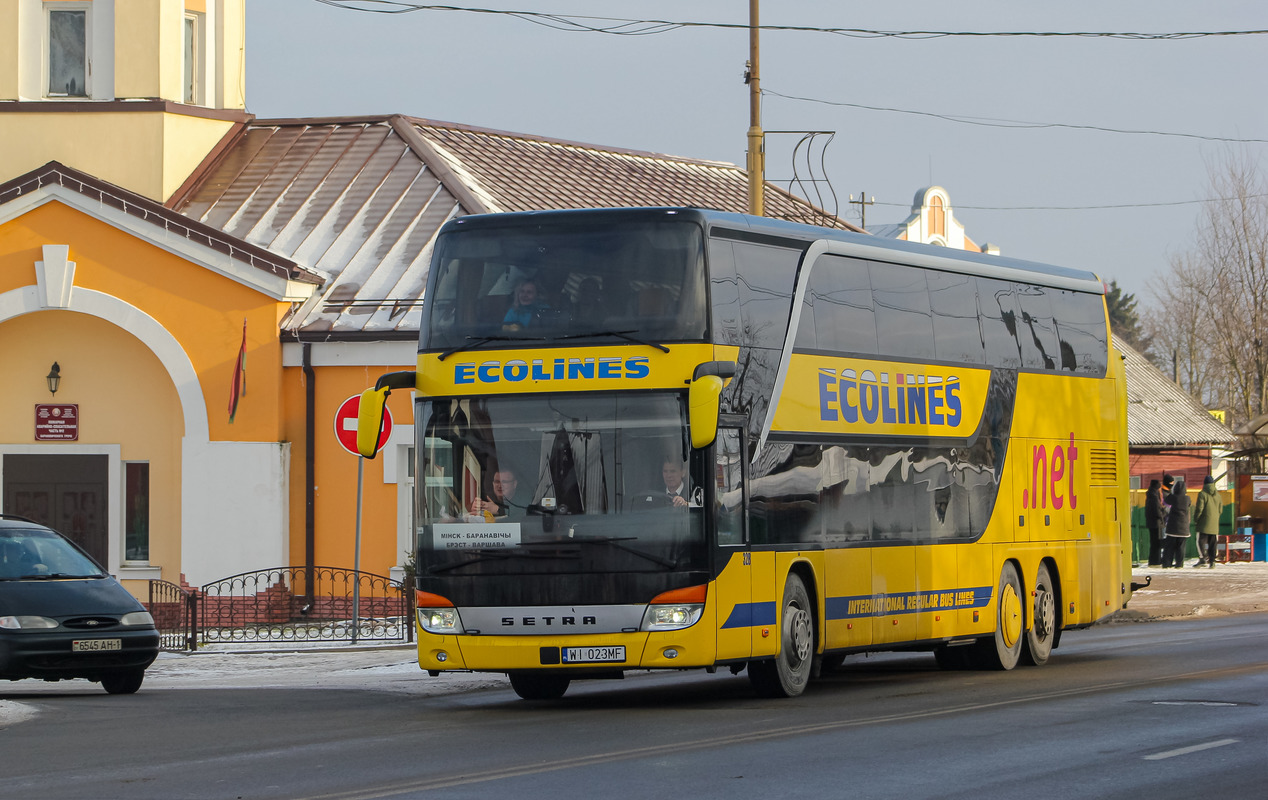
[439,620]
[675,610]
[672,618]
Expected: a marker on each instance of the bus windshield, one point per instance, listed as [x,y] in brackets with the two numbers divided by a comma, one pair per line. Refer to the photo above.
[579,483]
[531,280]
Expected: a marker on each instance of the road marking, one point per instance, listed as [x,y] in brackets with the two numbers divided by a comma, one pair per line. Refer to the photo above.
[424,784]
[1184,751]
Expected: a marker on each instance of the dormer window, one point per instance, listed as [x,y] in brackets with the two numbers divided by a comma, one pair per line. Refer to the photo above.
[192,89]
[937,217]
[69,67]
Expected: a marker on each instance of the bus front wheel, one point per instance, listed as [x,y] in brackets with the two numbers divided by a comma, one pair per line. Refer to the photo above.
[787,674]
[538,685]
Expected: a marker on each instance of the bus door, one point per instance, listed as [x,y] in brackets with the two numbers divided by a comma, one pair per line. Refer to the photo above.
[733,586]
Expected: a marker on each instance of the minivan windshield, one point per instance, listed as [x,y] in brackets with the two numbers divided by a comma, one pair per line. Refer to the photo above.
[40,554]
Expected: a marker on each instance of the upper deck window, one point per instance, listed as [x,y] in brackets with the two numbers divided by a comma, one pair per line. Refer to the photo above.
[547,281]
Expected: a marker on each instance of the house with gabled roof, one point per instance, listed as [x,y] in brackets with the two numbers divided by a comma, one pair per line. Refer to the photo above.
[210,288]
[1168,432]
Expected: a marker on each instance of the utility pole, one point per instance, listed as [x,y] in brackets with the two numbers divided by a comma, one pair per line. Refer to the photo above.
[862,203]
[756,161]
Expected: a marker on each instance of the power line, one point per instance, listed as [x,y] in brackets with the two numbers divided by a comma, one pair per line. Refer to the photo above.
[990,122]
[642,27]
[961,207]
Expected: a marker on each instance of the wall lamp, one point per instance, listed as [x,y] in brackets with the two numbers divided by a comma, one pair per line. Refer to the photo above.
[54,378]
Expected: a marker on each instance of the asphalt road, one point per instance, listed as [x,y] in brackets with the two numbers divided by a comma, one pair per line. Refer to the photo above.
[1172,709]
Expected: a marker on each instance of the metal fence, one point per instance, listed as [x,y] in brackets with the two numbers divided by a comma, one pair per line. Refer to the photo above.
[175,613]
[283,604]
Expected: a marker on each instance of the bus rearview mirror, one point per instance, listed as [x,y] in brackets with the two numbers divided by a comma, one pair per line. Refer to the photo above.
[702,409]
[370,420]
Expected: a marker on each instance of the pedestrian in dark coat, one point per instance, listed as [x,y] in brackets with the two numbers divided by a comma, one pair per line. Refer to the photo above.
[1206,517]
[1154,521]
[1177,527]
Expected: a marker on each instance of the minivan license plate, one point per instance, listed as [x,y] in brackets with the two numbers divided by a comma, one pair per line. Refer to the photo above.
[94,645]
[593,655]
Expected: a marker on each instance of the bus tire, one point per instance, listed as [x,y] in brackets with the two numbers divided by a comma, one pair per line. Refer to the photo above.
[787,674]
[539,685]
[1043,621]
[1003,650]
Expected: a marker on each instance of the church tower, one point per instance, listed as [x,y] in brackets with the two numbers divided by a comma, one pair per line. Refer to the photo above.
[135,92]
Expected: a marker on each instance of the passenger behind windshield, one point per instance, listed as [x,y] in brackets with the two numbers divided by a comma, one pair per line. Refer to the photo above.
[526,309]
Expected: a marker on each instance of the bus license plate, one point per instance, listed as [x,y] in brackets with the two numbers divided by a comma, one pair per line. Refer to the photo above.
[593,655]
[95,645]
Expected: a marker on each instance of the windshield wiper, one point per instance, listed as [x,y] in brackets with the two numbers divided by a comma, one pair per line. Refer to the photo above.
[619,334]
[53,576]
[491,554]
[476,341]
[615,541]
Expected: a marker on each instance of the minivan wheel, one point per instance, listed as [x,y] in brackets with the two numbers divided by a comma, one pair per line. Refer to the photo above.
[124,681]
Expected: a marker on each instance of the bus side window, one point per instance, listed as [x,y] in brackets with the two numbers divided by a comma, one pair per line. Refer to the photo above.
[724,292]
[842,298]
[956,334]
[729,479]
[997,302]
[766,276]
[1080,321]
[904,323]
[1035,331]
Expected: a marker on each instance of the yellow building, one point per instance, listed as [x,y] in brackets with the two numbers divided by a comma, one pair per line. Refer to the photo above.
[152,232]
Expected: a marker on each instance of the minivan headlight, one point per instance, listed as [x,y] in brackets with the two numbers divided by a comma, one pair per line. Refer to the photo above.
[137,618]
[27,623]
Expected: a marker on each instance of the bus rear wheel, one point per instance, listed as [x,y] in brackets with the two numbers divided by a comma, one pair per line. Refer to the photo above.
[787,674]
[1043,620]
[539,685]
[1003,649]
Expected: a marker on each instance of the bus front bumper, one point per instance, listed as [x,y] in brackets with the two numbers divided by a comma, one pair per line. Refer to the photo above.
[682,649]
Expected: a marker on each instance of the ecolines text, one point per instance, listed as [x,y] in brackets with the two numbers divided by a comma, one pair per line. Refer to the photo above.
[906,400]
[559,369]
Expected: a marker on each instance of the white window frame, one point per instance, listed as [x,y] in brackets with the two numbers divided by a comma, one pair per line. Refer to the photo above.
[194,66]
[123,534]
[67,5]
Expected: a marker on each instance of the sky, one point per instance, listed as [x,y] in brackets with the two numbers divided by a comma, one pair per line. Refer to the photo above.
[1119,204]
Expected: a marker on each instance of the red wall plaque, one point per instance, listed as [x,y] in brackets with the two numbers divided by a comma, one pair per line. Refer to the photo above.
[58,423]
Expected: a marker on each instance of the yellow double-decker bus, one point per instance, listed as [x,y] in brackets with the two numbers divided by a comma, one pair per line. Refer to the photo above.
[675,438]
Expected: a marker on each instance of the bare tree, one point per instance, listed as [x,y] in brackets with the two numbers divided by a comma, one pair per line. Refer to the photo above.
[1177,329]
[1213,306]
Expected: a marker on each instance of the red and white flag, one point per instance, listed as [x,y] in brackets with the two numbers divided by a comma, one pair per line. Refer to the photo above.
[239,386]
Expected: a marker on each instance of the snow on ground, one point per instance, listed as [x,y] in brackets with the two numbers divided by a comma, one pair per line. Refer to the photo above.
[384,668]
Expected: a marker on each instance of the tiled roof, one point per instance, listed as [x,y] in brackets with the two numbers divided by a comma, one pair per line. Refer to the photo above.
[1160,413]
[359,201]
[107,195]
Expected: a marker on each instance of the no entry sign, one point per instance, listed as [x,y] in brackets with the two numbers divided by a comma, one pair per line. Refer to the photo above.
[346,424]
